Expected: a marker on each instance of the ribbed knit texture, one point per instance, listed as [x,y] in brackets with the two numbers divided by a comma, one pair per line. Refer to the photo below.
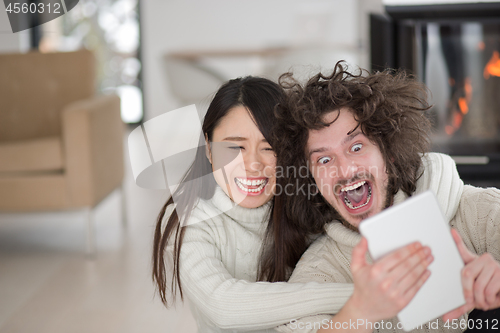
[218,269]
[474,212]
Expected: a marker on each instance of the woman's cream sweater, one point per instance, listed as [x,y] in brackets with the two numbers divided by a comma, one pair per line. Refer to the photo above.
[218,269]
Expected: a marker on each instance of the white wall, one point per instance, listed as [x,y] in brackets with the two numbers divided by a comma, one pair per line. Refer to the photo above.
[323,31]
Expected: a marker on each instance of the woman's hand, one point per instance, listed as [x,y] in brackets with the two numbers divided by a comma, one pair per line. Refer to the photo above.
[385,287]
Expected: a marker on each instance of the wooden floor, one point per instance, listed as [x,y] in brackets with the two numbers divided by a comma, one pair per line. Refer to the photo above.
[48,285]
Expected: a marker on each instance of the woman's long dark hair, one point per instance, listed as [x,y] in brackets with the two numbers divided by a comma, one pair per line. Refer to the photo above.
[259,96]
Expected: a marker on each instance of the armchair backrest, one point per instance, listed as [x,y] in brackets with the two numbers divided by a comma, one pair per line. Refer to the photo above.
[35,87]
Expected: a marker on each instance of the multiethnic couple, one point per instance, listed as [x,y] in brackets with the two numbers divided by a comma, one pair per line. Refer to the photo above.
[250,256]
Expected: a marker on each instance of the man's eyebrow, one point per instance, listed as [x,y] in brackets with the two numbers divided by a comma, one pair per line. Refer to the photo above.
[234,138]
[317,150]
[351,136]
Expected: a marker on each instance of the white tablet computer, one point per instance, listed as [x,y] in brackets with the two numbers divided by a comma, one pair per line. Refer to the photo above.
[419,218]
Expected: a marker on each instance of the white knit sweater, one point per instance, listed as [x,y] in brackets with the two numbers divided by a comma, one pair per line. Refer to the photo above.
[218,269]
[474,212]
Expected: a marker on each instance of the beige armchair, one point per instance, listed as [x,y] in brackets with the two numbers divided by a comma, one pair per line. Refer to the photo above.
[61,145]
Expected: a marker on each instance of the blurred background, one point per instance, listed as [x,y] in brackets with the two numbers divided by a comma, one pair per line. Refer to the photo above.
[75,230]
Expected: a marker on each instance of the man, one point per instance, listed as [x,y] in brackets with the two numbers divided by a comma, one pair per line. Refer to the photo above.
[364,140]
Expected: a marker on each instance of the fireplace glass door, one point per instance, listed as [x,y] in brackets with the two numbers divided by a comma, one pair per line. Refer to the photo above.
[460,63]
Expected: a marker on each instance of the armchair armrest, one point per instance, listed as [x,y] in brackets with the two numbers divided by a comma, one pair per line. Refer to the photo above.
[92,132]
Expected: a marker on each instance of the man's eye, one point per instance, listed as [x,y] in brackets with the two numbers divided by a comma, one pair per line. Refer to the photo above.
[324,160]
[357,147]
[236,147]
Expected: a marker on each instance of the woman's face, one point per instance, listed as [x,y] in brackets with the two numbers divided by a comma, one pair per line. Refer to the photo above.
[243,162]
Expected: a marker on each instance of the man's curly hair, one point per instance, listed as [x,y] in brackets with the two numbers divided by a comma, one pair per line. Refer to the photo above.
[390,110]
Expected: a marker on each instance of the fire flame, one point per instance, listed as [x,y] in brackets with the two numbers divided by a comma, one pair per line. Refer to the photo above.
[493,66]
[463,108]
[449,129]
[462,104]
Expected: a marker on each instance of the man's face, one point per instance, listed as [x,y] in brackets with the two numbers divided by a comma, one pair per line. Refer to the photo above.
[349,169]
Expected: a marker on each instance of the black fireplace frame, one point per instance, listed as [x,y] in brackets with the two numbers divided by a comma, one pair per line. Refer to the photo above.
[391,49]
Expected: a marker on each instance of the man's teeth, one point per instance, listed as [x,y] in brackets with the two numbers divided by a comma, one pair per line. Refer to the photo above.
[243,181]
[349,204]
[353,186]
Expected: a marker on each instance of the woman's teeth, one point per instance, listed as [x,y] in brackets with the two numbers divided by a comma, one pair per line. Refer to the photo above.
[250,182]
[241,182]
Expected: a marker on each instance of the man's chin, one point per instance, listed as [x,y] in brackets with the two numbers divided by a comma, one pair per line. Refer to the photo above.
[353,221]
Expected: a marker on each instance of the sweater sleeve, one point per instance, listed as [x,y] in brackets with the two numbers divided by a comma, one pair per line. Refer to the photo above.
[322,263]
[230,303]
[478,220]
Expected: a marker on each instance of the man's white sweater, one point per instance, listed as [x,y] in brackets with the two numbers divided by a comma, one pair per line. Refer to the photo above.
[474,212]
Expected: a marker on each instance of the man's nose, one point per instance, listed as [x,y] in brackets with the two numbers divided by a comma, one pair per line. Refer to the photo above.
[347,167]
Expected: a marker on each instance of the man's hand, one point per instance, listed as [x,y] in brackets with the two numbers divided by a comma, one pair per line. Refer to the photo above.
[384,288]
[480,280]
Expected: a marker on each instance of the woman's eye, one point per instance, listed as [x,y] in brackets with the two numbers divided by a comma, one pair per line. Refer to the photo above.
[236,147]
[357,147]
[268,149]
[324,160]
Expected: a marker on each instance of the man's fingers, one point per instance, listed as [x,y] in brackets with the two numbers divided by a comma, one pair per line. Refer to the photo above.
[359,255]
[415,287]
[410,271]
[482,280]
[456,313]
[466,255]
[390,261]
[492,292]
[469,274]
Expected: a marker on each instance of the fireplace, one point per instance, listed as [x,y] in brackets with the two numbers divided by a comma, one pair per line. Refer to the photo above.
[455,50]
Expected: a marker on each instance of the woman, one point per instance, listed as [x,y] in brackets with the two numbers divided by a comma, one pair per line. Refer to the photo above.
[215,233]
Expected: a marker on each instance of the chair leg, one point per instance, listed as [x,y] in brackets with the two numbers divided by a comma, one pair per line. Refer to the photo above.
[90,233]
[124,206]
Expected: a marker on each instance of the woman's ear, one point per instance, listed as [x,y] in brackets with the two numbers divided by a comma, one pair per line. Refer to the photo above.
[208,151]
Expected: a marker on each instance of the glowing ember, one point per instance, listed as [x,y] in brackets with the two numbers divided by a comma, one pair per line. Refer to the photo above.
[449,129]
[463,107]
[457,120]
[468,89]
[493,66]
[462,104]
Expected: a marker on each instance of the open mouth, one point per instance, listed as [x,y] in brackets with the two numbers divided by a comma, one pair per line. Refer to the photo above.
[357,195]
[249,185]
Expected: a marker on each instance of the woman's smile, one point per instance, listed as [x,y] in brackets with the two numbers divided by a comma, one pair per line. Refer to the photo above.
[251,175]
[251,186]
